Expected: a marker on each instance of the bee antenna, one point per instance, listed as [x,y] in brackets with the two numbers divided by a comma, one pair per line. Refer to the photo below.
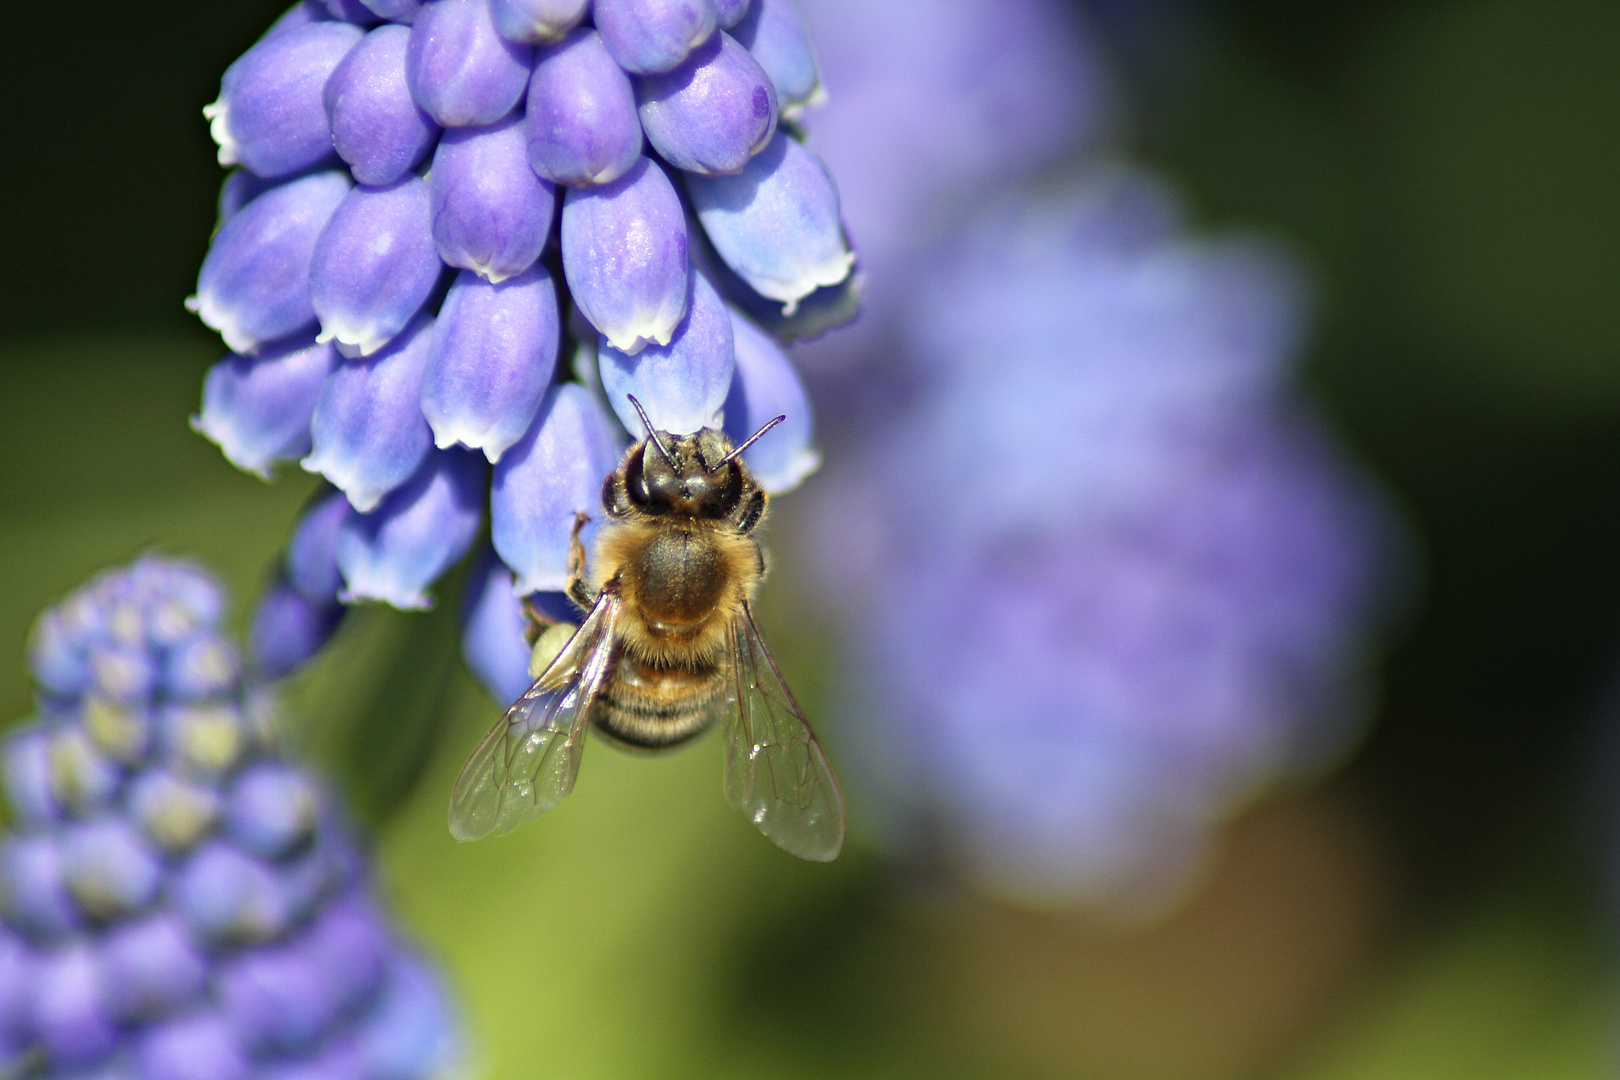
[663,451]
[752,439]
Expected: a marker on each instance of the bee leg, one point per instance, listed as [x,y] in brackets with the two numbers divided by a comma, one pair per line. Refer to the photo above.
[533,622]
[578,591]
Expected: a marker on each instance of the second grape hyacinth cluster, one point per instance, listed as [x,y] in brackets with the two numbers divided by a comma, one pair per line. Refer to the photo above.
[178,900]
[461,234]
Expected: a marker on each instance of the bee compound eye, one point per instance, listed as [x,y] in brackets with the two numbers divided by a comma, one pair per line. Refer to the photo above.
[635,481]
[659,490]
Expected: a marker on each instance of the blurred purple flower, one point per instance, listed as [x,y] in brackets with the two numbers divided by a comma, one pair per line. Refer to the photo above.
[1112,578]
[210,916]
[983,93]
[385,142]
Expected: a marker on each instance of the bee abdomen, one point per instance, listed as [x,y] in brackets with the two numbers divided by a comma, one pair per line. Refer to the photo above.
[658,708]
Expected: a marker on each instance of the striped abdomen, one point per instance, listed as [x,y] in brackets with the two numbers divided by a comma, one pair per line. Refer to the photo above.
[658,706]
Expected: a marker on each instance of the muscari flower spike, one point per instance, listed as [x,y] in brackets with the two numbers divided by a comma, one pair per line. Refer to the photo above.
[1114,580]
[461,231]
[179,902]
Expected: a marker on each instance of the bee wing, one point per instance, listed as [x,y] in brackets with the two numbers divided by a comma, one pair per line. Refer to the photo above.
[527,763]
[775,770]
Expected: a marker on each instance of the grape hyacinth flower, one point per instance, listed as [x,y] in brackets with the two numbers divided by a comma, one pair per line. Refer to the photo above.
[462,231]
[1113,581]
[179,902]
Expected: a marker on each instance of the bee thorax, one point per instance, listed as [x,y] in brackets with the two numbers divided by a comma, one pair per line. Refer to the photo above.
[680,580]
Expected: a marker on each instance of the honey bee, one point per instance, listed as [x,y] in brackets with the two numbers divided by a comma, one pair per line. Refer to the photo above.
[668,646]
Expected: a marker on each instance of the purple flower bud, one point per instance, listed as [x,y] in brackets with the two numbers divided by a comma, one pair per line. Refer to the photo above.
[775,32]
[271,809]
[109,869]
[124,731]
[554,472]
[254,283]
[83,779]
[152,968]
[409,1032]
[123,627]
[122,673]
[57,657]
[376,126]
[35,895]
[460,68]
[582,123]
[205,666]
[369,434]
[492,641]
[395,552]
[277,1000]
[122,666]
[70,1014]
[16,997]
[173,813]
[493,354]
[649,36]
[776,223]
[625,256]
[766,386]
[309,877]
[300,14]
[311,562]
[399,11]
[202,740]
[353,11]
[183,585]
[339,1059]
[375,265]
[170,621]
[491,213]
[711,114]
[257,409]
[225,895]
[269,115]
[27,772]
[197,1047]
[350,940]
[289,628]
[682,385]
[82,616]
[240,188]
[534,22]
[729,13]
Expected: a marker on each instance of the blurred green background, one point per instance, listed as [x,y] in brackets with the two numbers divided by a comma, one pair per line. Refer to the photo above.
[1451,170]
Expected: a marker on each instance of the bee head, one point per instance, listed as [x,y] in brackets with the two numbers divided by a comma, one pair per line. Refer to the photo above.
[697,475]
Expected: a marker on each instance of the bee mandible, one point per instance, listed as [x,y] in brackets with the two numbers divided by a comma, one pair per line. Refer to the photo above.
[667,648]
